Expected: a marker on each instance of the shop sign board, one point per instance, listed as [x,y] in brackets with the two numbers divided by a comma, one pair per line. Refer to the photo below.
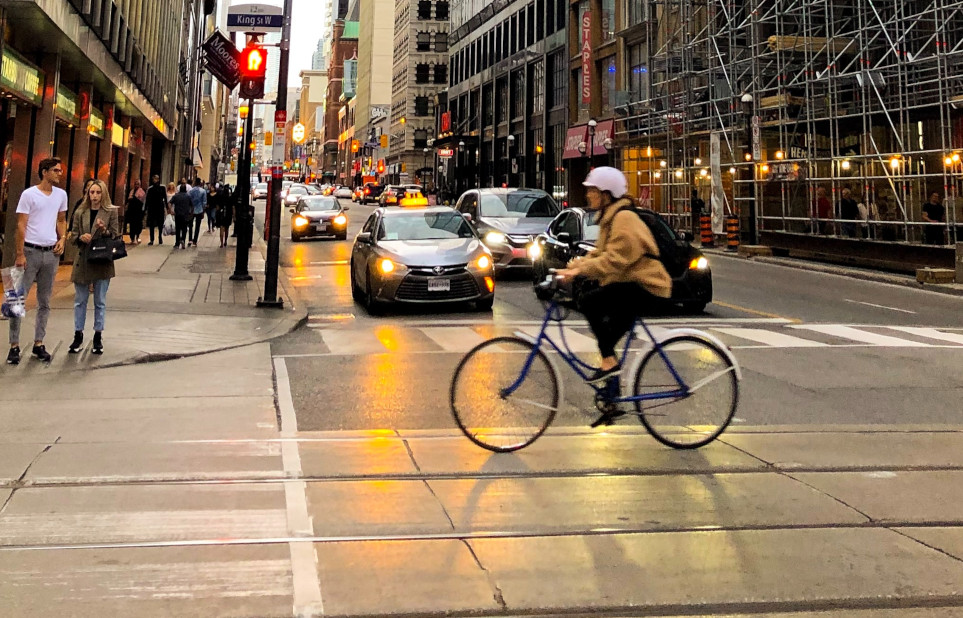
[446,153]
[96,124]
[587,58]
[223,59]
[68,106]
[118,136]
[21,78]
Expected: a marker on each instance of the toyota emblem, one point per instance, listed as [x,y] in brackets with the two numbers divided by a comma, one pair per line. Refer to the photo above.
[439,270]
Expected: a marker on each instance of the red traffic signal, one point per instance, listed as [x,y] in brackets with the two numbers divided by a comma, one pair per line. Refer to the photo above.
[253,70]
[381,166]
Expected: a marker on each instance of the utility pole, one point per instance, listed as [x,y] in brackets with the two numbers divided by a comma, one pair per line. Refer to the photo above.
[244,222]
[270,298]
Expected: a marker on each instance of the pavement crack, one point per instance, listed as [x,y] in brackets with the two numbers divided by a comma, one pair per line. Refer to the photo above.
[21,482]
[411,455]
[925,544]
[869,518]
[496,590]
[441,504]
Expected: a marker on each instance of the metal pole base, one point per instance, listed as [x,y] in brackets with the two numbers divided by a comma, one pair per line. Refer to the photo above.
[241,277]
[270,304]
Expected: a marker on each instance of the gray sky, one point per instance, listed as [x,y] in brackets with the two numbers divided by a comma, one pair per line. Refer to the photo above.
[306,29]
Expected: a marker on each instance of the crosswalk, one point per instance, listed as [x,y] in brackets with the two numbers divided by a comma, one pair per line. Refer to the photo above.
[457,337]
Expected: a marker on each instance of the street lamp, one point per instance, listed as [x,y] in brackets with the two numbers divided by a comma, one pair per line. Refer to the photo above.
[508,159]
[464,163]
[748,103]
[424,167]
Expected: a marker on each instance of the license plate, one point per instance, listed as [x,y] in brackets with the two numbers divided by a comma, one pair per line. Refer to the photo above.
[321,227]
[439,284]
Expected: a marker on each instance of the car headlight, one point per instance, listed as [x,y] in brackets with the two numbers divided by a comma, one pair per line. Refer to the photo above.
[387,266]
[482,263]
[534,251]
[496,238]
[340,220]
[699,264]
[300,222]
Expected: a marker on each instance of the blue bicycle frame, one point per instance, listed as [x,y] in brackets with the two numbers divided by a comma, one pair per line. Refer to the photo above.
[555,314]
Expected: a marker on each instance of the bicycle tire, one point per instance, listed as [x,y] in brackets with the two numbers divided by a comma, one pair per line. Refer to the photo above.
[696,360]
[487,418]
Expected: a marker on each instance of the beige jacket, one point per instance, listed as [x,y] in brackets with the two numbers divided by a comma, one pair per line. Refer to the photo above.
[621,253]
[84,272]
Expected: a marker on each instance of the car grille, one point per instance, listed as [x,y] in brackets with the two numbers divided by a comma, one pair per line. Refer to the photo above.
[415,288]
[520,241]
[429,271]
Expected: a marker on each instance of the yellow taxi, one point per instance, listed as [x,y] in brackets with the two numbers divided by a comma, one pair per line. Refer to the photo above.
[413,199]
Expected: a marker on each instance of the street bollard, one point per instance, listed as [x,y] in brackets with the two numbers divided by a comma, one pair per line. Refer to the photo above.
[706,228]
[732,233]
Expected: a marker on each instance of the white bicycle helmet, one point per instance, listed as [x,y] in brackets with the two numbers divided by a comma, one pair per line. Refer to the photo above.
[608,179]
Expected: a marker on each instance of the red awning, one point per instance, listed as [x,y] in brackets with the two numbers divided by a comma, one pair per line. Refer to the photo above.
[575,136]
[605,130]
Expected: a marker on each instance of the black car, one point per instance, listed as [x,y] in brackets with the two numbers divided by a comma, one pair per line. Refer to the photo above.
[371,192]
[318,215]
[574,232]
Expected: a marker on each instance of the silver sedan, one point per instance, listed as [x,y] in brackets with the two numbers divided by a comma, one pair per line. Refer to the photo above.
[420,255]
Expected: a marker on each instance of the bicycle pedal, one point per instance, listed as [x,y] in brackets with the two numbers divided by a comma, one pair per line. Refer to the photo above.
[608,419]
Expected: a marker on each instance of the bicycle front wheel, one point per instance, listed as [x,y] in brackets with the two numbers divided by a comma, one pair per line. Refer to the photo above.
[699,416]
[485,407]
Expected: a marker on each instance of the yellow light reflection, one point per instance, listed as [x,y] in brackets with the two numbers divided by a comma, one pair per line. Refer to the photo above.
[389,336]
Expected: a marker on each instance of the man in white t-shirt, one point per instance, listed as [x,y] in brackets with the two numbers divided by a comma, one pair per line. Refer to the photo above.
[40,237]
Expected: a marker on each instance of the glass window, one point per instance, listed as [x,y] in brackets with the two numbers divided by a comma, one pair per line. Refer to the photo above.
[635,12]
[424,9]
[558,86]
[319,204]
[537,88]
[590,227]
[609,84]
[608,20]
[518,94]
[426,226]
[441,41]
[441,73]
[638,74]
[422,73]
[421,106]
[423,41]
[441,10]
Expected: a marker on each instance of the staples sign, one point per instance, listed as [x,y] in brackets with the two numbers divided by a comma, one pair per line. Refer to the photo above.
[587,57]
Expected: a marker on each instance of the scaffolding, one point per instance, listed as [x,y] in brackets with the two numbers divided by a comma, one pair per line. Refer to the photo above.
[805,98]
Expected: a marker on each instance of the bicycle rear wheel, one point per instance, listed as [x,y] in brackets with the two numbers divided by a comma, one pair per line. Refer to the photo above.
[488,415]
[692,420]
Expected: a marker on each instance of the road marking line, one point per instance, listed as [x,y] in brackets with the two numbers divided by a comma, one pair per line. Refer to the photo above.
[453,338]
[304,559]
[859,302]
[331,263]
[754,312]
[845,332]
[579,323]
[774,339]
[929,333]
[351,342]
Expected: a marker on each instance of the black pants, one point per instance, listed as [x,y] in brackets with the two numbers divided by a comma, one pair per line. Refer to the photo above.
[611,311]
[160,232]
[183,227]
[198,219]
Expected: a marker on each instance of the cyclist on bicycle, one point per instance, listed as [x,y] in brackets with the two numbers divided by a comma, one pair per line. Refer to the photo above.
[626,265]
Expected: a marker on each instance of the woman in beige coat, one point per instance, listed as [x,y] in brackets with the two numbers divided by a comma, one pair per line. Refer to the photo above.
[96,217]
[626,265]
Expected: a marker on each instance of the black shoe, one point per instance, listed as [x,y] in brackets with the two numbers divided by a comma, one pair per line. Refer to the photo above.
[13,358]
[78,342]
[161,242]
[41,354]
[98,343]
[151,244]
[601,376]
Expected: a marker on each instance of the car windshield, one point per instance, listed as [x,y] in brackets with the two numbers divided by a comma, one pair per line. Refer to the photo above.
[527,204]
[262,186]
[590,226]
[319,204]
[425,226]
[312,190]
[297,191]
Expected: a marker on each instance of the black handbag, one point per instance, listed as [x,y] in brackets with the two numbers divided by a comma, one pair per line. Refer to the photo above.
[104,249]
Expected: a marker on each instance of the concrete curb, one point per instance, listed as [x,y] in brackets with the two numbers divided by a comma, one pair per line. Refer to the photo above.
[842,271]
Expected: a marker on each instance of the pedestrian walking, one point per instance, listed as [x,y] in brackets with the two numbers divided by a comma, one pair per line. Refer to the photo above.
[135,211]
[697,207]
[96,218]
[211,210]
[849,213]
[225,213]
[39,242]
[183,215]
[171,190]
[198,196]
[155,202]
[822,213]
[70,218]
[934,212]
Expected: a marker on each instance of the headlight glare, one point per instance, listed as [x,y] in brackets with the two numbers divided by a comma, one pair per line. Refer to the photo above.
[496,238]
[699,264]
[484,262]
[534,251]
[340,220]
[386,266]
[300,222]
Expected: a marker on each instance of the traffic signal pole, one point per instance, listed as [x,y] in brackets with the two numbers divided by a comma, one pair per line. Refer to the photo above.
[244,222]
[270,298]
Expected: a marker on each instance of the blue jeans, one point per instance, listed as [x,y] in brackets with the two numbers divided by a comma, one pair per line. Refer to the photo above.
[81,294]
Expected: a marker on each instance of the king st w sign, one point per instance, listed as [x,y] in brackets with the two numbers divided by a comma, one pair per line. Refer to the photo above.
[254,18]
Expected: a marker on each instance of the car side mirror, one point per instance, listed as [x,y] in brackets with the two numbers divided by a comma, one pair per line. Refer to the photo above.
[292,210]
[346,208]
[685,235]
[565,238]
[364,237]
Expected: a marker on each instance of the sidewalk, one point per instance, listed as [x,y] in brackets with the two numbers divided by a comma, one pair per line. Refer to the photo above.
[168,490]
[166,304]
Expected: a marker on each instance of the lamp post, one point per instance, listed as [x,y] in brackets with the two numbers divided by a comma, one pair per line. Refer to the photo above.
[747,102]
[591,153]
[461,155]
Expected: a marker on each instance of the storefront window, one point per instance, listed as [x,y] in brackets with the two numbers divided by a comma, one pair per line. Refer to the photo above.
[634,13]
[609,83]
[638,74]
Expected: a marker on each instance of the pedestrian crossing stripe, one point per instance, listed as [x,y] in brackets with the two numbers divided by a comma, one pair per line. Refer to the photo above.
[396,338]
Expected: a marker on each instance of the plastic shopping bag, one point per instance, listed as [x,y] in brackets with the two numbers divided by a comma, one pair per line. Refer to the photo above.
[14,299]
[169,227]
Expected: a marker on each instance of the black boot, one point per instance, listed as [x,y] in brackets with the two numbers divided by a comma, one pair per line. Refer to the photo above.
[98,343]
[78,342]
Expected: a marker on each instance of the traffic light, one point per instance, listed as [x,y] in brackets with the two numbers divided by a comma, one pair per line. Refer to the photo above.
[381,166]
[355,145]
[253,70]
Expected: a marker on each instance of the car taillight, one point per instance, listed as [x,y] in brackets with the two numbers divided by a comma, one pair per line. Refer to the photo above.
[367,191]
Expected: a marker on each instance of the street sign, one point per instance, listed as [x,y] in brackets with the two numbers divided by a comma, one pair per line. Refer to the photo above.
[297,133]
[756,138]
[222,59]
[254,18]
[280,140]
